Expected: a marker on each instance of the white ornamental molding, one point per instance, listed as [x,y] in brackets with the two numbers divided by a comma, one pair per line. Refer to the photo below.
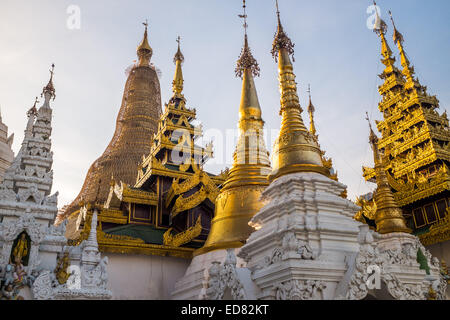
[11,229]
[96,277]
[223,277]
[400,291]
[299,289]
[291,247]
[7,194]
[370,255]
[43,286]
[31,192]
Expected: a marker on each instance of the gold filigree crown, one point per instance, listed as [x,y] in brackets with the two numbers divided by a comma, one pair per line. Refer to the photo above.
[247,61]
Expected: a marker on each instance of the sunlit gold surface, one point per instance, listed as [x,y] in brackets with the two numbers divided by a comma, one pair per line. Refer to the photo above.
[439,232]
[388,217]
[296,149]
[239,199]
[183,237]
[415,140]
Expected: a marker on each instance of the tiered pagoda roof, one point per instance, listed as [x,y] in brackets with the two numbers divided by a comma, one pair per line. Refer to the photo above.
[414,143]
[168,209]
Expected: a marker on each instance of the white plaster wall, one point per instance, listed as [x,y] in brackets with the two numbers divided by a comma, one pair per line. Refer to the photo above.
[139,277]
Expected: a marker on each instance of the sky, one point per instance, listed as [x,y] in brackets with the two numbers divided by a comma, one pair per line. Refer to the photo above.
[335,52]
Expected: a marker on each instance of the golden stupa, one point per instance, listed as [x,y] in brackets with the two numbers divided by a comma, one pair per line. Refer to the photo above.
[137,121]
[388,217]
[296,149]
[239,199]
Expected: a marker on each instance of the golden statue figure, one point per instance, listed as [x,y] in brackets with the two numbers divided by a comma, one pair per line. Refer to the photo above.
[61,268]
[21,249]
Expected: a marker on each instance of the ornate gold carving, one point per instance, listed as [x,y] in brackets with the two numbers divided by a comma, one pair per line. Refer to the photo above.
[126,194]
[61,272]
[104,238]
[112,216]
[129,245]
[368,210]
[84,234]
[183,237]
[191,182]
[205,192]
[438,232]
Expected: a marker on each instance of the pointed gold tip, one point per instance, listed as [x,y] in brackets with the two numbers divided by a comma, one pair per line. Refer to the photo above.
[144,51]
[296,148]
[397,36]
[246,60]
[281,40]
[50,88]
[178,81]
[178,55]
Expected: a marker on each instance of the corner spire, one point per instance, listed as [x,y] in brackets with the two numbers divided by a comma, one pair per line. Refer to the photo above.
[144,51]
[33,110]
[178,81]
[311,110]
[388,217]
[380,29]
[49,90]
[246,68]
[296,149]
[408,70]
[373,139]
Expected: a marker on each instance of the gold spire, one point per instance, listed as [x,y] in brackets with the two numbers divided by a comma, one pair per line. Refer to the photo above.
[246,68]
[177,84]
[296,149]
[380,29]
[408,70]
[311,110]
[238,200]
[388,217]
[144,51]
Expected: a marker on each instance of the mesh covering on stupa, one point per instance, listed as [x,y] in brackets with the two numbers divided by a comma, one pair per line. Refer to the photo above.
[137,121]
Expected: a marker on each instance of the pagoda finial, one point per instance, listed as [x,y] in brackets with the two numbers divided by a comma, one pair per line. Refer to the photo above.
[296,149]
[380,28]
[178,81]
[247,68]
[244,16]
[49,90]
[408,70]
[281,40]
[278,12]
[251,165]
[388,217]
[144,51]
[311,110]
[178,56]
[246,60]
[397,35]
